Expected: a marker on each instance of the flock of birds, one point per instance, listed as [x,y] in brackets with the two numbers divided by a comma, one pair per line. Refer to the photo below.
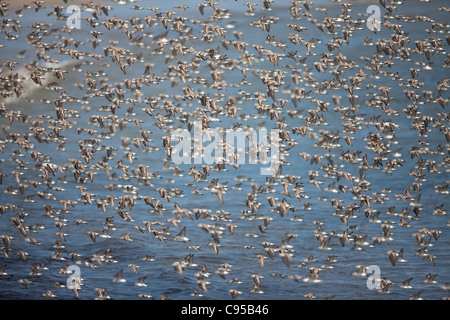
[144,76]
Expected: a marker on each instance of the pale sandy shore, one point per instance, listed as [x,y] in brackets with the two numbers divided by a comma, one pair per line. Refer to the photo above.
[17,4]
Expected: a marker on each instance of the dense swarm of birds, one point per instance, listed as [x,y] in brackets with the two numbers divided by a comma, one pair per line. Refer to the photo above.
[86,175]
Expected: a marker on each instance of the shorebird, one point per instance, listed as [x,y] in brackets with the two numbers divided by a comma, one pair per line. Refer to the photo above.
[118,278]
[102,294]
[181,236]
[234,293]
[385,285]
[140,282]
[406,284]
[313,276]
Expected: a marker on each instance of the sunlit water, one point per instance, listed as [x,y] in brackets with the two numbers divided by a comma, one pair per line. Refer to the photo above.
[240,250]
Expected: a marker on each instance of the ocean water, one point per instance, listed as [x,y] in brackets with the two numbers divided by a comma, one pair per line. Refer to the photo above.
[37,199]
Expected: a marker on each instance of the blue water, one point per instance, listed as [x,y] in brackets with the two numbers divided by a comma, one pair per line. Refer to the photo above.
[240,250]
